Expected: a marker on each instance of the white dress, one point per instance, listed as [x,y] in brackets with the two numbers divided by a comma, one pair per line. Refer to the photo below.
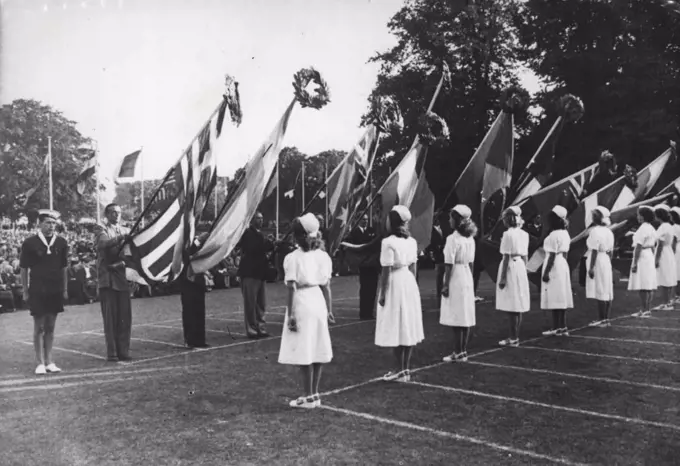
[458,309]
[601,287]
[311,343]
[676,230]
[400,321]
[645,278]
[556,294]
[515,296]
[667,273]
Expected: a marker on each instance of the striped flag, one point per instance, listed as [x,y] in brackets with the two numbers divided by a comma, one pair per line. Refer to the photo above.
[345,187]
[89,169]
[237,214]
[159,249]
[128,168]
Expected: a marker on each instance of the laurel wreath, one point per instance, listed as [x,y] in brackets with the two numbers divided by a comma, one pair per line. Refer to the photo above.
[386,115]
[321,95]
[233,99]
[432,129]
[515,100]
[630,177]
[570,108]
[607,162]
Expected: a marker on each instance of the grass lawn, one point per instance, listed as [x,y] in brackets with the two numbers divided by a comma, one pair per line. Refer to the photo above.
[601,396]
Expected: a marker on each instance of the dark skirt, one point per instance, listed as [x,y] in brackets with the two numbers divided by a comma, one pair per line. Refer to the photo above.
[45,304]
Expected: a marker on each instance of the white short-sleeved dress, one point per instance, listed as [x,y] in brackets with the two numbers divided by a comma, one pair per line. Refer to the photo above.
[645,278]
[311,343]
[515,296]
[458,309]
[400,321]
[557,294]
[667,273]
[676,231]
[601,287]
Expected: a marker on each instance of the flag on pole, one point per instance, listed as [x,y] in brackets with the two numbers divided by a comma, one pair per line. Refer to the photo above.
[236,216]
[159,250]
[25,197]
[127,169]
[345,187]
[88,171]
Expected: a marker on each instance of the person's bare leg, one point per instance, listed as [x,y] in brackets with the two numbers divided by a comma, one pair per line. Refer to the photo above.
[306,379]
[316,377]
[38,332]
[48,337]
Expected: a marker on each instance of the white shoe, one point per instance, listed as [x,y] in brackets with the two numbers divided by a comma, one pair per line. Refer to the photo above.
[550,333]
[478,299]
[563,332]
[509,342]
[303,402]
[391,376]
[317,400]
[40,370]
[52,368]
[404,377]
[456,357]
[596,323]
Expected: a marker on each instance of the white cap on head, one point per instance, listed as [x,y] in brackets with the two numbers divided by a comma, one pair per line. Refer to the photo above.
[560,211]
[311,224]
[676,210]
[517,210]
[662,207]
[48,213]
[463,210]
[603,211]
[403,212]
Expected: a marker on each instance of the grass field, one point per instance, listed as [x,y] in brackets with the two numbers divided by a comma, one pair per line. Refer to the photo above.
[601,396]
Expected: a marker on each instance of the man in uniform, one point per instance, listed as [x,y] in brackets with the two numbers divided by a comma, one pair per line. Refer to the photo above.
[43,262]
[440,233]
[114,291]
[192,288]
[364,241]
[253,272]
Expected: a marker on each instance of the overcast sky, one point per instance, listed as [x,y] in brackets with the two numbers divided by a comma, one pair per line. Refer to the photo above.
[149,72]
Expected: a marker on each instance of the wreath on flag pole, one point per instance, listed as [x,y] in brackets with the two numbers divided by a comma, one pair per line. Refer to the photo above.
[386,115]
[570,108]
[630,176]
[432,129]
[514,100]
[301,80]
[233,99]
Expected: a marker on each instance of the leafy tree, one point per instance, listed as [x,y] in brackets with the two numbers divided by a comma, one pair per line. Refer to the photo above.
[24,129]
[477,41]
[622,58]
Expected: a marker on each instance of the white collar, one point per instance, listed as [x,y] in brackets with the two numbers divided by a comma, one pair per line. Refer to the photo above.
[44,241]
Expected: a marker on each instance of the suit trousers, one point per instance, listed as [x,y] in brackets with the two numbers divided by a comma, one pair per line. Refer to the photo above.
[117,315]
[440,275]
[368,289]
[193,312]
[254,303]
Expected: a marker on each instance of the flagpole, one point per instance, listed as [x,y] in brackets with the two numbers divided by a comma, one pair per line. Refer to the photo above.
[96,180]
[278,184]
[215,195]
[325,175]
[141,174]
[49,169]
[303,184]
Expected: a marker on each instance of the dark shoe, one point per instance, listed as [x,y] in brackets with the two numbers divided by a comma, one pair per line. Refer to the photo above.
[112,358]
[124,358]
[254,337]
[202,345]
[263,335]
[367,318]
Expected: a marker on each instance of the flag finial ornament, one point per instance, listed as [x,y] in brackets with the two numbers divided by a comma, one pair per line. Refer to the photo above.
[631,177]
[515,100]
[570,108]
[432,129]
[386,115]
[607,162]
[321,95]
[233,99]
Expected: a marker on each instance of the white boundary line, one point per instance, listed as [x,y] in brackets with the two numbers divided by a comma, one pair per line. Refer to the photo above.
[625,340]
[451,435]
[207,330]
[614,417]
[82,353]
[145,340]
[599,355]
[576,376]
[80,383]
[666,329]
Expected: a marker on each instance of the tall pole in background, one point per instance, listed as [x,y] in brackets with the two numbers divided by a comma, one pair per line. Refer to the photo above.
[141,174]
[96,180]
[278,197]
[370,207]
[215,192]
[49,168]
[303,184]
[325,175]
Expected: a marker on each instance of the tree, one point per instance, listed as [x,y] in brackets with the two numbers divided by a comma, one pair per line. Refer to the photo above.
[478,43]
[24,129]
[622,58]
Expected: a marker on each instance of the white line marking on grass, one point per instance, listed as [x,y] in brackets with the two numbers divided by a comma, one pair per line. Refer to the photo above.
[600,355]
[80,383]
[614,417]
[626,340]
[207,330]
[451,435]
[67,376]
[82,353]
[576,376]
[665,329]
[145,340]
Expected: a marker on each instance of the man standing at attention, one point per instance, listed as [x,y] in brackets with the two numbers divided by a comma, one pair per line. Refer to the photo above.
[114,292]
[364,241]
[440,232]
[44,259]
[253,271]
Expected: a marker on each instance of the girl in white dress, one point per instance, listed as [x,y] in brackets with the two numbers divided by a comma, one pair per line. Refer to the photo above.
[666,268]
[643,268]
[512,285]
[556,292]
[458,295]
[306,341]
[600,278]
[399,319]
[675,216]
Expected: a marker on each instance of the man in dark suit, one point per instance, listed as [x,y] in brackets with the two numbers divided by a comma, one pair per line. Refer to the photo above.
[253,273]
[440,232]
[192,288]
[369,268]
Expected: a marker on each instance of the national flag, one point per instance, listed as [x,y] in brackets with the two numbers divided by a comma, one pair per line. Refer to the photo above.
[167,187]
[25,197]
[89,168]
[237,214]
[539,170]
[345,187]
[128,168]
[159,250]
[615,196]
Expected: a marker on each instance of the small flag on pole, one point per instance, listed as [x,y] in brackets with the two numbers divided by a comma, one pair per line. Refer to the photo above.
[89,168]
[128,166]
